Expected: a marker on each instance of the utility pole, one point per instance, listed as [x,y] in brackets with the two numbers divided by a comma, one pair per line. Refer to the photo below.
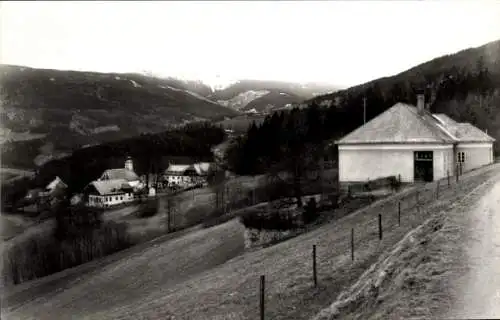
[364,110]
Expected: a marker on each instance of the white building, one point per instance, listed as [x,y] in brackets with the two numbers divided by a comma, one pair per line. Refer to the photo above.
[412,143]
[114,186]
[107,193]
[185,175]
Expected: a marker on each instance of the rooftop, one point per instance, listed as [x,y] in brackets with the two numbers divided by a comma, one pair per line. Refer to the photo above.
[402,123]
[121,173]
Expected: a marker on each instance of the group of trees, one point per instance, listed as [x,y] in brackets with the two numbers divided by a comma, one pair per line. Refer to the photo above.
[464,86]
[468,93]
[79,236]
[150,152]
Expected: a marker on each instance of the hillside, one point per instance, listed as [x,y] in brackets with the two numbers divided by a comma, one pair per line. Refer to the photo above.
[48,113]
[136,283]
[464,85]
[267,95]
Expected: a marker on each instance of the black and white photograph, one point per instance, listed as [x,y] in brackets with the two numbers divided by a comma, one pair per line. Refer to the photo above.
[260,160]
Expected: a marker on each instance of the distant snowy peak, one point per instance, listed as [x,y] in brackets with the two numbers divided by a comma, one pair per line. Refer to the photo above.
[243,99]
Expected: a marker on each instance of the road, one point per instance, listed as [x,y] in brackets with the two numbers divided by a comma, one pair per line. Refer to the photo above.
[478,281]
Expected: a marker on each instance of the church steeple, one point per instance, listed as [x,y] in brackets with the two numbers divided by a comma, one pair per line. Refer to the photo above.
[129,164]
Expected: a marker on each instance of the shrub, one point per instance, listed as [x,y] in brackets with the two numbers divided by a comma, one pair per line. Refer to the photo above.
[310,213]
[147,209]
[273,221]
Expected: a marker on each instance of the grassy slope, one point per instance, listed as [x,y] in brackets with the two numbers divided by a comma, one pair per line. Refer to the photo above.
[416,279]
[231,289]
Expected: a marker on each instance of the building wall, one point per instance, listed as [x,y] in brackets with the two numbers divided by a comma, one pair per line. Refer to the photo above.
[184,181]
[476,155]
[109,200]
[358,163]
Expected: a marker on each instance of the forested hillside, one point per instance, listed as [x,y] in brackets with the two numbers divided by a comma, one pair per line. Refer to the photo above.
[150,153]
[465,85]
[46,113]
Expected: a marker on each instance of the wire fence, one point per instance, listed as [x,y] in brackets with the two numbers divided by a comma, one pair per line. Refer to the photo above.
[399,213]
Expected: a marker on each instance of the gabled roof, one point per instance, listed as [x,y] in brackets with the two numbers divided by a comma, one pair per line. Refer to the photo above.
[109,187]
[57,182]
[177,168]
[465,132]
[403,124]
[399,124]
[202,168]
[469,133]
[122,173]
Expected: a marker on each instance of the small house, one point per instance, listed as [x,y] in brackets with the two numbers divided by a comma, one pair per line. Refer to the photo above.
[107,193]
[184,175]
[413,144]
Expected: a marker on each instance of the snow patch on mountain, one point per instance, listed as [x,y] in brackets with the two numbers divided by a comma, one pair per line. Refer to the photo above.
[243,99]
[194,94]
[135,84]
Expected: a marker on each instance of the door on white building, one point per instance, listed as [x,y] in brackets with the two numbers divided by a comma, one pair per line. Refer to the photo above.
[423,166]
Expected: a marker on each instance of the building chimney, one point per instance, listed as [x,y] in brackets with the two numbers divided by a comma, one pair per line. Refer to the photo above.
[420,102]
[129,164]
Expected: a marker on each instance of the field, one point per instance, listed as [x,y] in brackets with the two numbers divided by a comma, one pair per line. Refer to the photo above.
[138,284]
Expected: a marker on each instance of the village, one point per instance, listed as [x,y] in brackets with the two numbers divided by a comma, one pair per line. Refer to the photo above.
[120,187]
[185,160]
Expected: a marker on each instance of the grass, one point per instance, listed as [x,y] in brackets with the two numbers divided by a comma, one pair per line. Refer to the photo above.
[138,285]
[415,278]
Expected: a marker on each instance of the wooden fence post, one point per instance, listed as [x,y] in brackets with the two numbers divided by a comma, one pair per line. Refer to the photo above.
[456,175]
[437,190]
[262,294]
[315,278]
[169,212]
[352,244]
[399,213]
[380,226]
[448,176]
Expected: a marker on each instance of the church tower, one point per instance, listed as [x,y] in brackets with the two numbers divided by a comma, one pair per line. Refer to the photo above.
[129,164]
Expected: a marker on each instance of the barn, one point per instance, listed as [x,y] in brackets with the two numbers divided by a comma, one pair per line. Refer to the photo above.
[413,144]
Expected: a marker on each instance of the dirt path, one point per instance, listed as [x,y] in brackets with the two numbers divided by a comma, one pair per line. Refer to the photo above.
[478,282]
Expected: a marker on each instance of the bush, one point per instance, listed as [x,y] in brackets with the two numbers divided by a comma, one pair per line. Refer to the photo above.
[273,221]
[310,213]
[147,209]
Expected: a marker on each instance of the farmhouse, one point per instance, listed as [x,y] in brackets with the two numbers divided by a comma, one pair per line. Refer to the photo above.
[55,188]
[185,175]
[114,186]
[413,144]
[106,193]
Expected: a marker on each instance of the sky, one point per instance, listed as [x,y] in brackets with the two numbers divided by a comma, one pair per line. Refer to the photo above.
[342,43]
